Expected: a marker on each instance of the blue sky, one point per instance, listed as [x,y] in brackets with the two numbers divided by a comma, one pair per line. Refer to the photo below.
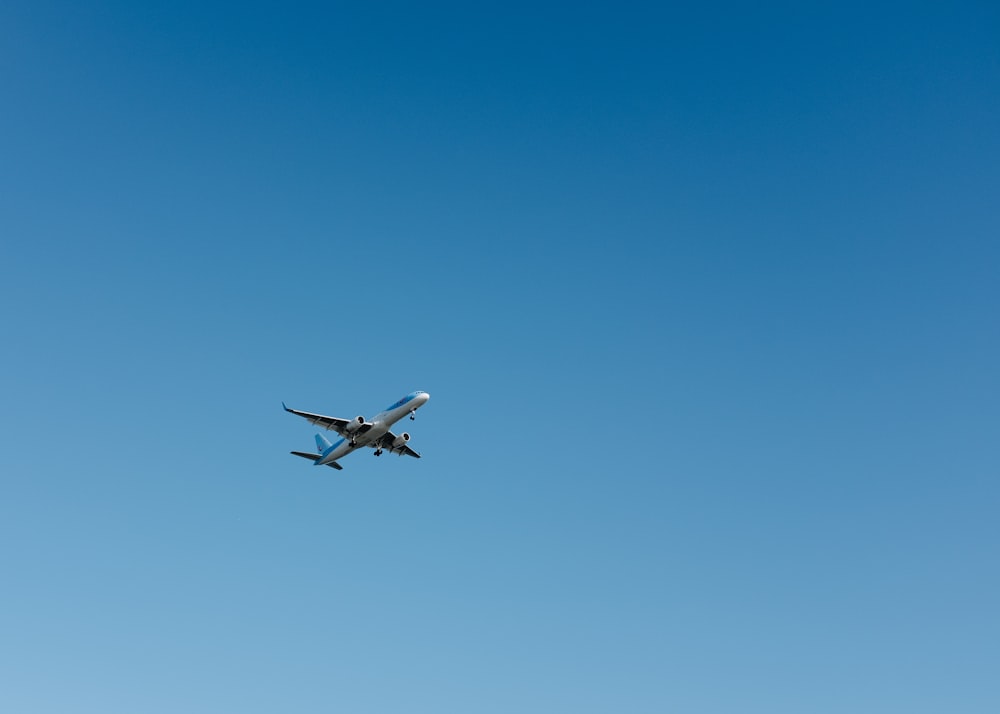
[706,300]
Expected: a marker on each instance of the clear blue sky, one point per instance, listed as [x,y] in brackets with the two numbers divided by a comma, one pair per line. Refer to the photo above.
[706,299]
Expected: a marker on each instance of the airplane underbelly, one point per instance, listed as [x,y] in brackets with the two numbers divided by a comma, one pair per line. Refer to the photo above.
[374,434]
[361,440]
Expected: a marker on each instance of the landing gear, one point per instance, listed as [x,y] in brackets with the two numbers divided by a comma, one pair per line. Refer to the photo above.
[413,414]
[378,452]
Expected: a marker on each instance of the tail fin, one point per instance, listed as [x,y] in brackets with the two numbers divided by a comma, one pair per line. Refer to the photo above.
[322,443]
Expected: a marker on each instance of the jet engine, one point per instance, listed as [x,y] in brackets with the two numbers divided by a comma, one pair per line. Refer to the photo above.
[355,424]
[400,440]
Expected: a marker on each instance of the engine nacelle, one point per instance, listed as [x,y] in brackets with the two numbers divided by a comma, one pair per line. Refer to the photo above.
[354,424]
[400,440]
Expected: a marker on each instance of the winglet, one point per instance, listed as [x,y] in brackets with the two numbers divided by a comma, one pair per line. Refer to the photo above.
[285,408]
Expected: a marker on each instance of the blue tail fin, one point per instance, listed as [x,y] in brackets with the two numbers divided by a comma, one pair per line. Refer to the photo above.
[322,443]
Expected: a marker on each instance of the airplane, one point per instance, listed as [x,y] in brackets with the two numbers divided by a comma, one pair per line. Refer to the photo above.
[358,432]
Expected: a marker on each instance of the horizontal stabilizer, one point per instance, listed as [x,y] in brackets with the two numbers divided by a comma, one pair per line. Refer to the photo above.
[315,457]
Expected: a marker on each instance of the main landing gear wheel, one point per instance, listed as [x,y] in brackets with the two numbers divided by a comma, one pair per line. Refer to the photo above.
[378,452]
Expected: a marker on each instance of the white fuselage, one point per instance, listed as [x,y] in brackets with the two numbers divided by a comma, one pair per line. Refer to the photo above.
[381,423]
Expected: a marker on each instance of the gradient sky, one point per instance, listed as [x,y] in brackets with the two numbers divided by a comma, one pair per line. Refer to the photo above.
[706,300]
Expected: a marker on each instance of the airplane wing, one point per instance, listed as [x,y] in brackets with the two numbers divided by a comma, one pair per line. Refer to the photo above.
[386,443]
[313,457]
[328,422]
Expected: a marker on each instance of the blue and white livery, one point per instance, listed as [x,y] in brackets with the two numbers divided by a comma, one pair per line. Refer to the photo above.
[358,432]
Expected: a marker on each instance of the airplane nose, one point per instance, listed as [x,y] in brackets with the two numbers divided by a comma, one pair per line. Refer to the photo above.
[424,396]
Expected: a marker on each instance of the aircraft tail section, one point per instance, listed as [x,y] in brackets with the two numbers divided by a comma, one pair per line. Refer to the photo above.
[315,457]
[322,443]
